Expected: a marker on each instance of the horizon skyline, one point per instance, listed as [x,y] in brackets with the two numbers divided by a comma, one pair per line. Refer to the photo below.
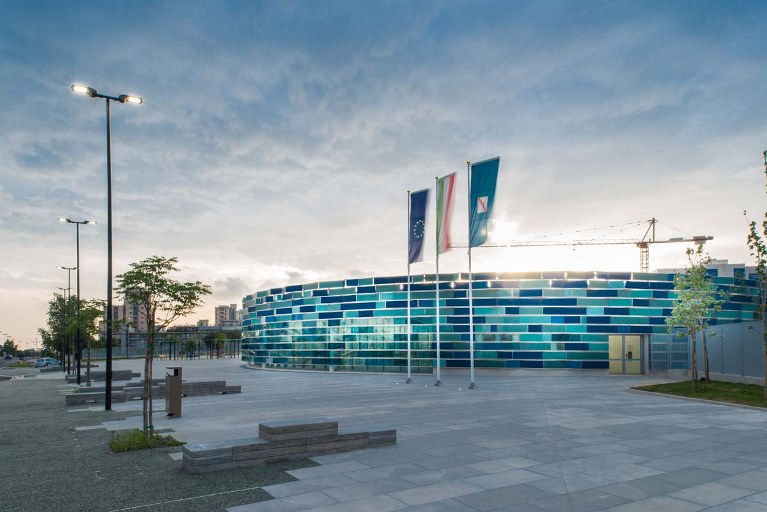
[277,141]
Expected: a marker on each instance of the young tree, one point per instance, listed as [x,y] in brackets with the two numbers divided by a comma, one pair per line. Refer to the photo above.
[58,333]
[90,312]
[9,347]
[164,300]
[697,298]
[757,243]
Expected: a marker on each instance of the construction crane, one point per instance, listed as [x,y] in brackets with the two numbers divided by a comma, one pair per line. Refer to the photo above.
[643,244]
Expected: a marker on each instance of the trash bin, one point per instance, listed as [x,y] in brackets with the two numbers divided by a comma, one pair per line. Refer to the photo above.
[173,391]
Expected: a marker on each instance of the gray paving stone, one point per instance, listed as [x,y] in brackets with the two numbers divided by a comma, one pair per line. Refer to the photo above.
[692,476]
[504,464]
[641,488]
[552,485]
[583,501]
[581,481]
[365,475]
[504,478]
[435,492]
[657,503]
[760,497]
[450,461]
[330,469]
[361,490]
[495,499]
[443,506]
[743,505]
[296,503]
[381,503]
[756,480]
[730,467]
[711,493]
[441,475]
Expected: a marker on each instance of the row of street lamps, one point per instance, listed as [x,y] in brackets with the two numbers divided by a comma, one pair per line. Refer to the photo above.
[123,98]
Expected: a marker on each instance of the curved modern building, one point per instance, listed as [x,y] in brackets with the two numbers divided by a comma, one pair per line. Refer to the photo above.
[576,320]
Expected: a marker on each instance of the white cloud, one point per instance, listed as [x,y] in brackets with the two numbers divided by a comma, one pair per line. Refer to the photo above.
[276,143]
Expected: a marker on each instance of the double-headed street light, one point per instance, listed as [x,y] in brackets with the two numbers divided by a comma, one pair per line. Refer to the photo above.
[78,341]
[123,98]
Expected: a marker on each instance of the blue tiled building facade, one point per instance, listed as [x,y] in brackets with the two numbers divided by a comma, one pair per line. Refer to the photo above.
[521,320]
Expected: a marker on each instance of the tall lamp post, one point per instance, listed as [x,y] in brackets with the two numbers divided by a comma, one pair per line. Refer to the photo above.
[123,98]
[68,291]
[78,341]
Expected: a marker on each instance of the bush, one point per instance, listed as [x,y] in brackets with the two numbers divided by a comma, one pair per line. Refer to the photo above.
[134,439]
[22,364]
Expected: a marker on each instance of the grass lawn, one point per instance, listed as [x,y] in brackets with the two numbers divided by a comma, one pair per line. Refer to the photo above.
[729,392]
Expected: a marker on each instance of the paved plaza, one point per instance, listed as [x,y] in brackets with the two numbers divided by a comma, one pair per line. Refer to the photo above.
[519,442]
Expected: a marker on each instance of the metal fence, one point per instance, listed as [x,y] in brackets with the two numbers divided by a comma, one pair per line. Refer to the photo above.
[169,348]
[734,352]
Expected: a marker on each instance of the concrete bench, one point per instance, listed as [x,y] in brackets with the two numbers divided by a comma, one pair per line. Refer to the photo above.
[46,369]
[278,441]
[101,376]
[135,391]
[92,397]
[188,389]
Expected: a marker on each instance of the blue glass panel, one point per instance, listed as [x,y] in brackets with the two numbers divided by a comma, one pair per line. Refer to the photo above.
[569,284]
[390,280]
[358,305]
[563,311]
[531,293]
[601,293]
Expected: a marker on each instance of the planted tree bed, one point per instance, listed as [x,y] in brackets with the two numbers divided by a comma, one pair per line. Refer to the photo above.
[726,392]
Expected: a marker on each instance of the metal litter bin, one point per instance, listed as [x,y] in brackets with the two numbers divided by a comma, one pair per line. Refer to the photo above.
[173,391]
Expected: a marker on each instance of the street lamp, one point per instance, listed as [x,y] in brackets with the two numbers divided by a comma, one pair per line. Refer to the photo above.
[65,353]
[78,341]
[123,98]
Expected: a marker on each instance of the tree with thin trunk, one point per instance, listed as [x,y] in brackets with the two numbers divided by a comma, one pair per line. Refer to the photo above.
[697,299]
[164,300]
[757,243]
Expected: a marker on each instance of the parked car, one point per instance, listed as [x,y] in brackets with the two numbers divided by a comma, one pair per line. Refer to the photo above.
[8,356]
[46,361]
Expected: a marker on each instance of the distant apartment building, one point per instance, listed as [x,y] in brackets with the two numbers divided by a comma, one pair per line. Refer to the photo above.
[134,315]
[228,316]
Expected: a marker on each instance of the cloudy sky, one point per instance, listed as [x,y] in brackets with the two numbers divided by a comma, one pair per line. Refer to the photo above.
[278,139]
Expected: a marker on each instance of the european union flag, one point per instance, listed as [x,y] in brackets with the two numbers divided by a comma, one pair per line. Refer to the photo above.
[417,224]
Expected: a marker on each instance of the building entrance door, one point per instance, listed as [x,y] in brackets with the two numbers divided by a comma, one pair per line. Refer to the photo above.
[626,354]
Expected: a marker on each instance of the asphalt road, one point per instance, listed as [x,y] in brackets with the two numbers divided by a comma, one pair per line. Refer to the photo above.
[48,465]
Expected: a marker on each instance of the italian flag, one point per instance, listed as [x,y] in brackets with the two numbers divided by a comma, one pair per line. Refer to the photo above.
[445,200]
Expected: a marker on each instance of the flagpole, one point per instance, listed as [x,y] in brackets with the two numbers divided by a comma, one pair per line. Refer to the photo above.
[436,280]
[409,379]
[472,385]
